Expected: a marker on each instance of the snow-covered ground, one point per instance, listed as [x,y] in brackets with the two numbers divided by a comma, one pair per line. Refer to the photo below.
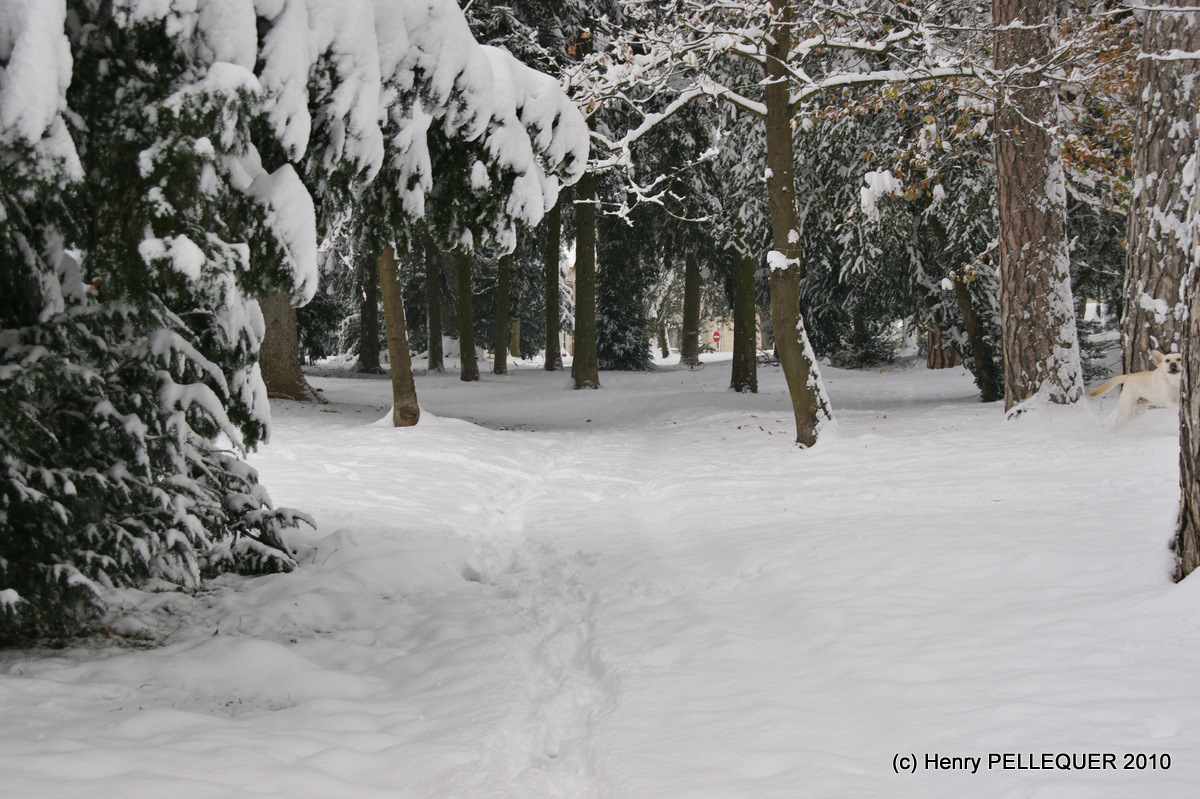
[648,592]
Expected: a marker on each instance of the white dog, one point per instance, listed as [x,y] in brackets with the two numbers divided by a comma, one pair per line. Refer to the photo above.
[1159,387]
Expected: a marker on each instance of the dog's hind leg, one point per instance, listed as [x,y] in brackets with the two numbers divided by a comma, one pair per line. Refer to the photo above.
[1127,406]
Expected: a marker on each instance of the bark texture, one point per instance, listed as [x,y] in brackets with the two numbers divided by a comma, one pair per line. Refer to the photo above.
[1164,139]
[469,372]
[585,368]
[744,375]
[809,404]
[1037,316]
[501,333]
[433,305]
[689,334]
[553,250]
[1187,535]
[279,355]
[941,355]
[405,411]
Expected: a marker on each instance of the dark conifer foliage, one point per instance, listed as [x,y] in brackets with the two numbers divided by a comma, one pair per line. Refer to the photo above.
[114,397]
[160,179]
[627,273]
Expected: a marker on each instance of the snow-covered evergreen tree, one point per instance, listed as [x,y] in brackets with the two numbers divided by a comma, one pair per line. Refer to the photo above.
[916,240]
[127,399]
[154,159]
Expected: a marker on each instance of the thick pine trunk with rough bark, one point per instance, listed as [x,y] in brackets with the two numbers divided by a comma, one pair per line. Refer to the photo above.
[279,354]
[689,334]
[1164,139]
[501,333]
[466,321]
[553,250]
[744,376]
[585,368]
[405,411]
[809,404]
[1187,535]
[1037,316]
[433,305]
[368,324]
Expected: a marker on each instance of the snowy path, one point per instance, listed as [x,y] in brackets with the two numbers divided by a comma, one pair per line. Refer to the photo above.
[647,592]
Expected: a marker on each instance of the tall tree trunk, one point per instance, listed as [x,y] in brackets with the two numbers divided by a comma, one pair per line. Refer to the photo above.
[450,277]
[514,315]
[368,327]
[1187,534]
[433,305]
[745,328]
[279,355]
[405,411]
[585,368]
[1164,139]
[553,250]
[689,341]
[1037,316]
[1164,159]
[662,340]
[466,321]
[502,331]
[810,407]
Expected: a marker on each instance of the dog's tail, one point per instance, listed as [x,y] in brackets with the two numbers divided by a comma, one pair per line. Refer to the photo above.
[1107,386]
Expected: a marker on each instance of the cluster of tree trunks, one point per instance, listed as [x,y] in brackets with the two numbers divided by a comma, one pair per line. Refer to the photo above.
[1035,289]
[1163,265]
